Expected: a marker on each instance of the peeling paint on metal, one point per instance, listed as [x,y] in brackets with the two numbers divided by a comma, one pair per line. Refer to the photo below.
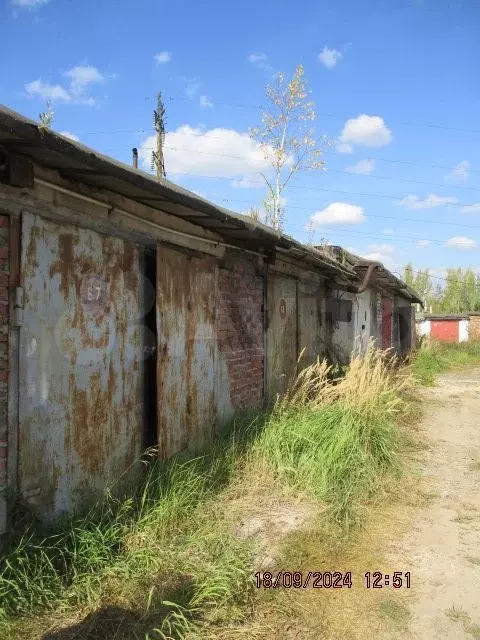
[311,330]
[186,288]
[81,388]
[281,333]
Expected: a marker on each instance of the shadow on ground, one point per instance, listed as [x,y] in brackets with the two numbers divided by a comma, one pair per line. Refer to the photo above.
[111,622]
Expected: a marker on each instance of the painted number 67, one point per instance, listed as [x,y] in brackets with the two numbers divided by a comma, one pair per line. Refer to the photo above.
[91,293]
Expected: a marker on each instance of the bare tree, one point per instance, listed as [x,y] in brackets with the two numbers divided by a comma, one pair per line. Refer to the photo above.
[287,138]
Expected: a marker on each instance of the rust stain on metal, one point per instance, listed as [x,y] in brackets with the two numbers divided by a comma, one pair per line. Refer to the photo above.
[186,346]
[81,403]
[281,333]
[310,330]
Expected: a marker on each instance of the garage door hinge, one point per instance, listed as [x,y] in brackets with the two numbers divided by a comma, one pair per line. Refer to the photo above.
[17,320]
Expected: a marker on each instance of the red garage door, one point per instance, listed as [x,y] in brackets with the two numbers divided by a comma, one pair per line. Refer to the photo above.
[444,330]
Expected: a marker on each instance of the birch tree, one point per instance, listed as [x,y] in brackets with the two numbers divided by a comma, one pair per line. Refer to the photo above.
[287,138]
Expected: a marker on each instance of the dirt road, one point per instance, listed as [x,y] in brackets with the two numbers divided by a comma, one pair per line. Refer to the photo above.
[442,550]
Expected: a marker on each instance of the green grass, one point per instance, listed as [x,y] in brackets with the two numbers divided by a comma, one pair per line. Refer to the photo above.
[166,563]
[434,358]
[165,554]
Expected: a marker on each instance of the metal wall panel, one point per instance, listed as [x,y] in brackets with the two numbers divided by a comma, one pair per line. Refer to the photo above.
[281,333]
[387,323]
[81,352]
[363,321]
[342,330]
[445,330]
[186,288]
[311,329]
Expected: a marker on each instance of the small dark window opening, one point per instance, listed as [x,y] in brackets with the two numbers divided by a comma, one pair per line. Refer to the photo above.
[339,310]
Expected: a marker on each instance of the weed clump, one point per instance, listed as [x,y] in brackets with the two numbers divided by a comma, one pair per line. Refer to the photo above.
[336,439]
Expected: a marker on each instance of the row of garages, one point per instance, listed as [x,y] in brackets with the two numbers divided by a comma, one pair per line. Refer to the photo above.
[136,313]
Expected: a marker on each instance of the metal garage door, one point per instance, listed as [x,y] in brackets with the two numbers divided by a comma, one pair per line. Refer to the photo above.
[81,345]
[281,333]
[186,350]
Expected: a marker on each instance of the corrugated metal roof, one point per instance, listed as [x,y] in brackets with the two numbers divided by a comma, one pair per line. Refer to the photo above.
[75,161]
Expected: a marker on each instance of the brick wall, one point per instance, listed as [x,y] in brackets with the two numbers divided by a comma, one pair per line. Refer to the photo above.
[474,328]
[4,284]
[239,326]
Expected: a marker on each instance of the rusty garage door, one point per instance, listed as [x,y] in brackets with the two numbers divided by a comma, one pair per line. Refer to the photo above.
[186,350]
[311,332]
[281,333]
[80,375]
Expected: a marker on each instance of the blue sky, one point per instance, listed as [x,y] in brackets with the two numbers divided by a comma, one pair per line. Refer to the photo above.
[396,88]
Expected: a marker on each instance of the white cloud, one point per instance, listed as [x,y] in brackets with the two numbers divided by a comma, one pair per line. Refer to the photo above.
[212,153]
[423,244]
[251,182]
[205,102]
[461,242]
[68,134]
[362,168]
[471,208]
[260,61]
[330,57]
[429,202]
[376,256]
[163,57]
[254,58]
[343,147]
[381,248]
[45,91]
[338,213]
[370,131]
[28,4]
[80,78]
[191,88]
[388,232]
[460,173]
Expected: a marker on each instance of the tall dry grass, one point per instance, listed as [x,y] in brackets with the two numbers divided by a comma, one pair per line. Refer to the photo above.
[335,439]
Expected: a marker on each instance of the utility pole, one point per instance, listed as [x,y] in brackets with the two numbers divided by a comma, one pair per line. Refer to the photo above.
[158,162]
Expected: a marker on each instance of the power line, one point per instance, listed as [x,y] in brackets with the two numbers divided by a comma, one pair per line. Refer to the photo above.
[323,189]
[371,215]
[431,276]
[237,157]
[366,234]
[335,116]
[376,158]
[339,171]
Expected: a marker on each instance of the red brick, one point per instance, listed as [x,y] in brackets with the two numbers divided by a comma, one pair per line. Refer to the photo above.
[4,221]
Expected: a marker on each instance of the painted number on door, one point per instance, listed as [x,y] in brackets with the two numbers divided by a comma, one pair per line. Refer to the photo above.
[93,292]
